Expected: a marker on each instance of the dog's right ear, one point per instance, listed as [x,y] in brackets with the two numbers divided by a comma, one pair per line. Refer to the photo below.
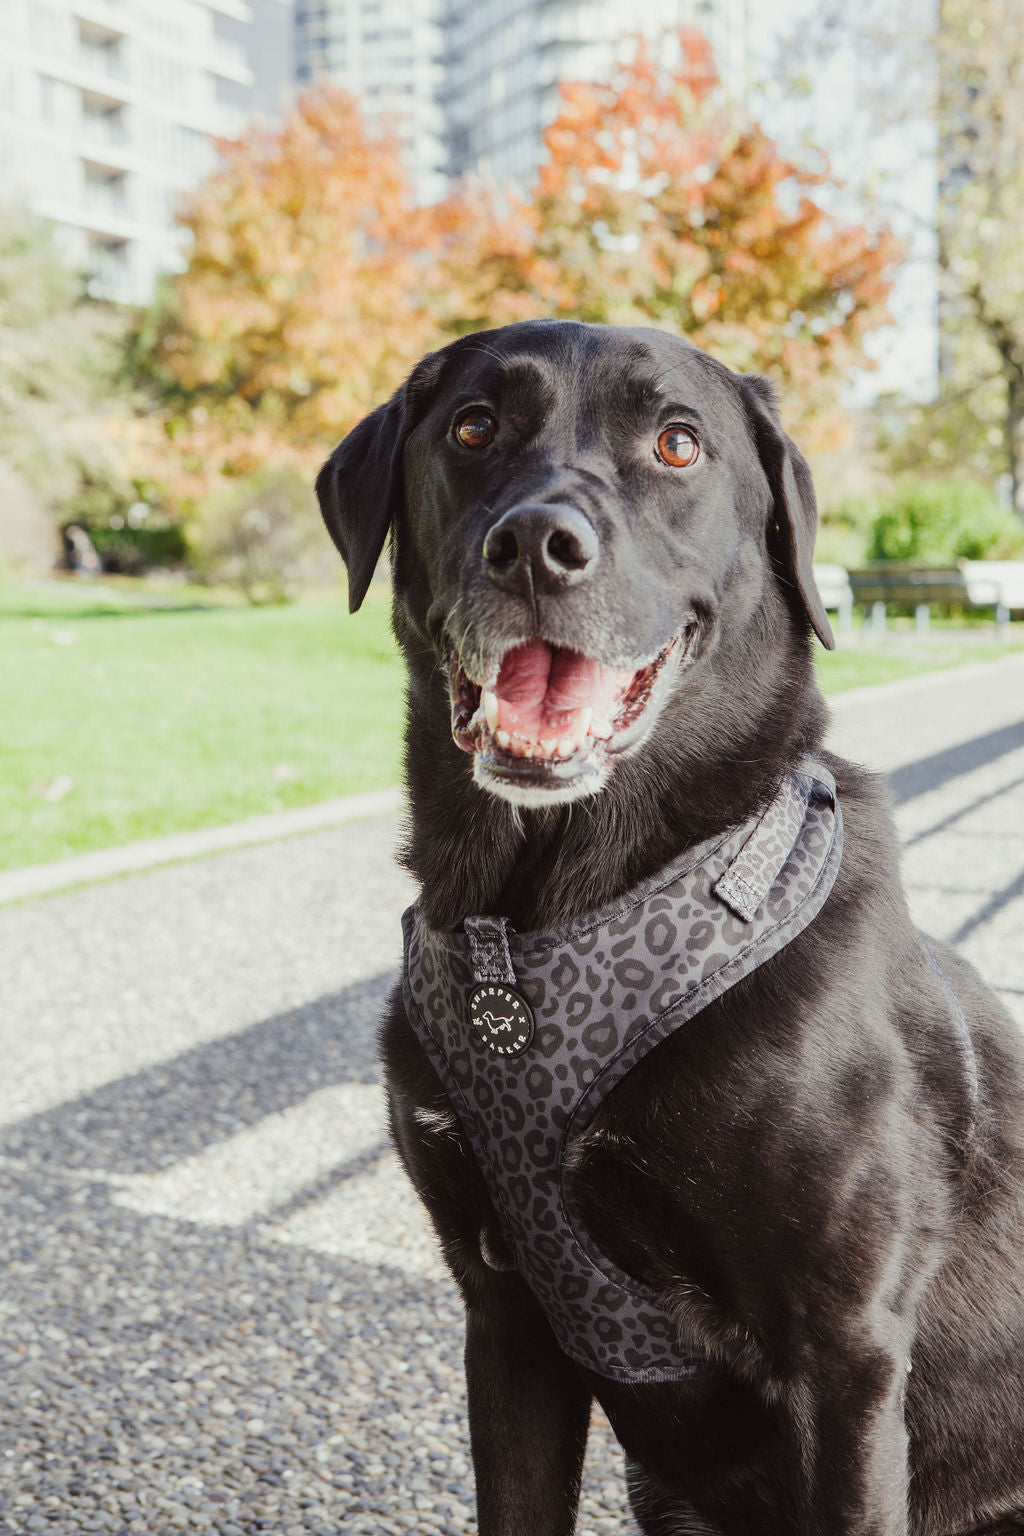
[360,490]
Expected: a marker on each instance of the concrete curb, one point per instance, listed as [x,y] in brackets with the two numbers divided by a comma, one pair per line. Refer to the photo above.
[131,858]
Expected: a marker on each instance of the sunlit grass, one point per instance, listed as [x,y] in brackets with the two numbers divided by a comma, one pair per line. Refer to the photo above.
[121,718]
[119,723]
[903,653]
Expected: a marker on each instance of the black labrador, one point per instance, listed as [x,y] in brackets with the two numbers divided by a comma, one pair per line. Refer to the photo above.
[601,542]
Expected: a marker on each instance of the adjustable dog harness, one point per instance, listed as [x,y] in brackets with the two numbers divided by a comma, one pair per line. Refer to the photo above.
[530,1032]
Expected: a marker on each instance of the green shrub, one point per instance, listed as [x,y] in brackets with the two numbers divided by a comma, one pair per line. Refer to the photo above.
[844,533]
[263,534]
[130,551]
[938,522]
[130,537]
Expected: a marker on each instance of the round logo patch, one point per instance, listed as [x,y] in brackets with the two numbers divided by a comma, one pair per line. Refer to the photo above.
[501,1019]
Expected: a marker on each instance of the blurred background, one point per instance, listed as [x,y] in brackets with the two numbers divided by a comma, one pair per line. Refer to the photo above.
[229,227]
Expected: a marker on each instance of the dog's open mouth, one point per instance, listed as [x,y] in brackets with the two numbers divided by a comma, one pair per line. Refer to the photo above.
[547,724]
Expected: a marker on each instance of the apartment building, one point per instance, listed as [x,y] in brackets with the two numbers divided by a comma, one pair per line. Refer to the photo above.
[472,84]
[505,61]
[108,110]
[390,54]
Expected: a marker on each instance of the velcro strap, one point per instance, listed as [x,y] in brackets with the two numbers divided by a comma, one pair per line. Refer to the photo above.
[488,944]
[757,866]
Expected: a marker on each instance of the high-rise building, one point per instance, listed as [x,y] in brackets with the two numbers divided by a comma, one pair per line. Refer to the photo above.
[267,37]
[470,85]
[504,64]
[108,110]
[389,54]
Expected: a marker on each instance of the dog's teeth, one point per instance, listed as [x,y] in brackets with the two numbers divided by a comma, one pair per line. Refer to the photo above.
[586,716]
[566,747]
[548,748]
[489,701]
[501,737]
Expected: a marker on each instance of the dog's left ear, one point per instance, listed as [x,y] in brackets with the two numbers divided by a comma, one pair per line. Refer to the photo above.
[360,490]
[795,507]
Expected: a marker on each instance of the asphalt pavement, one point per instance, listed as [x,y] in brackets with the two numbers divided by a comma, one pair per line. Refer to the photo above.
[222,1308]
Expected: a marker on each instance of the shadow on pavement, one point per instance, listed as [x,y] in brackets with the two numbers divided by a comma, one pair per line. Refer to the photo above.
[927,773]
[150,1120]
[984,914]
[962,811]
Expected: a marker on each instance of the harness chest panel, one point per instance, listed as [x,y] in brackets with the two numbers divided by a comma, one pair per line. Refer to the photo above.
[530,1032]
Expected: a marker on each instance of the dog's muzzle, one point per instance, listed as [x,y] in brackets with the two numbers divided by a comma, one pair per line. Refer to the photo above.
[546,727]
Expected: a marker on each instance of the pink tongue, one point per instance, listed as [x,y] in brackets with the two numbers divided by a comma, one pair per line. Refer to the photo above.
[541,691]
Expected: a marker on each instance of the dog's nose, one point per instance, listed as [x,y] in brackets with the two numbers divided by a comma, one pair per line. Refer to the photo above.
[545,546]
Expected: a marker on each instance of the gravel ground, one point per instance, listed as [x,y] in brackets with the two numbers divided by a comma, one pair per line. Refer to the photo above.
[223,1311]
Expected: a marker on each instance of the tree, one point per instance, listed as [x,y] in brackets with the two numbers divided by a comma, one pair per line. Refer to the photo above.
[298,309]
[981,127]
[946,83]
[58,367]
[658,206]
[313,283]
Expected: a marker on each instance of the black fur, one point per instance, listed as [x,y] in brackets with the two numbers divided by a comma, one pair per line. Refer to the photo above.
[797,1170]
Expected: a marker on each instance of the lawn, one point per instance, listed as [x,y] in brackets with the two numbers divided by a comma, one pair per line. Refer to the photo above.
[128,711]
[119,722]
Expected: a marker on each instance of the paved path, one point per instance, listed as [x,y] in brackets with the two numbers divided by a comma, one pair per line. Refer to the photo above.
[222,1311]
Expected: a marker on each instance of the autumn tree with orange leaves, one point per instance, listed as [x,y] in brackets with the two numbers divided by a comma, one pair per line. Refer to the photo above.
[314,283]
[657,206]
[299,307]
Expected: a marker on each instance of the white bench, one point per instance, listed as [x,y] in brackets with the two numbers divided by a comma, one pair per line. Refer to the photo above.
[998,582]
[833,584]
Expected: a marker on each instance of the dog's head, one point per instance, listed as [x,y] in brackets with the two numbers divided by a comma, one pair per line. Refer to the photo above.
[577,512]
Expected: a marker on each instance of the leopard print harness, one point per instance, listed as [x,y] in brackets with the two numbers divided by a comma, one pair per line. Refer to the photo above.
[530,1032]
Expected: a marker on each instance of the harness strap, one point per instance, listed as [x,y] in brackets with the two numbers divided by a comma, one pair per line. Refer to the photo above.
[489,951]
[757,866]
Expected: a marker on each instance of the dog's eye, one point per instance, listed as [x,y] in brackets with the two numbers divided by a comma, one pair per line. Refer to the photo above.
[476,429]
[678,447]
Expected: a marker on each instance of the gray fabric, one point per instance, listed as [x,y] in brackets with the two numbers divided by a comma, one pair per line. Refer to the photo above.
[488,944]
[603,993]
[757,866]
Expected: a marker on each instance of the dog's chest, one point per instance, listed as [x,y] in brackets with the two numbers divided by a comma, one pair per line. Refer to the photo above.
[532,1033]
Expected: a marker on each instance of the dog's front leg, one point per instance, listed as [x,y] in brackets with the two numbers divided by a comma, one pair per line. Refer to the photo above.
[851,1443]
[528,1415]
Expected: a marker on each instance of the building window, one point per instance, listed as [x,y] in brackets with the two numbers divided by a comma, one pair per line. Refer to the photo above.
[47,99]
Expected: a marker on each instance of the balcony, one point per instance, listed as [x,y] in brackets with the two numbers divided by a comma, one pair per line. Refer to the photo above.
[110,270]
[99,159]
[104,139]
[102,59]
[230,61]
[106,204]
[237,10]
[105,20]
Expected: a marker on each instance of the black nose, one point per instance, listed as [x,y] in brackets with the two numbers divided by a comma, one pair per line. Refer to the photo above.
[543,546]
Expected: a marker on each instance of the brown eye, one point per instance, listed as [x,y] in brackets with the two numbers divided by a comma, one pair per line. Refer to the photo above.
[476,429]
[678,447]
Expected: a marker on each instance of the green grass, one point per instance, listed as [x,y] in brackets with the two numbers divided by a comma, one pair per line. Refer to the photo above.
[130,710]
[905,654]
[186,718]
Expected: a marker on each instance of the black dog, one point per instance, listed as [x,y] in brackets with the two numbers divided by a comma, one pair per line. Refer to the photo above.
[601,544]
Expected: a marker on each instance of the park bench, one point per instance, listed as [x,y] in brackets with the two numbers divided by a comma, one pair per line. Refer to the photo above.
[995,584]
